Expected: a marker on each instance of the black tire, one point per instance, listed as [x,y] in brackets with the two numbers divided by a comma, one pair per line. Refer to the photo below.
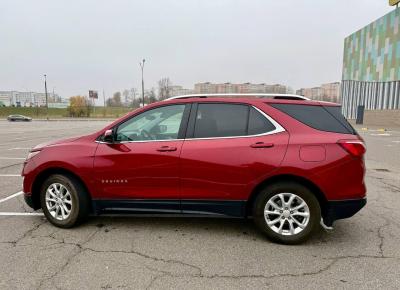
[287,187]
[79,197]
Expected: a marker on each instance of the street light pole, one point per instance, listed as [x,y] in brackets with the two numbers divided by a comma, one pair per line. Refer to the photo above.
[104,100]
[142,66]
[47,100]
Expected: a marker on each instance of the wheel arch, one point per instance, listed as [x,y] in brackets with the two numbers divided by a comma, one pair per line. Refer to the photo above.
[43,175]
[285,178]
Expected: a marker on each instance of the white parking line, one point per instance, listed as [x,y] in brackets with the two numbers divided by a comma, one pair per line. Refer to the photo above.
[18,148]
[17,213]
[21,214]
[10,175]
[13,158]
[11,196]
[382,134]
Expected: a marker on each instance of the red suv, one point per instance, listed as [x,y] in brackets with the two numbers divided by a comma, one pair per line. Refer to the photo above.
[289,162]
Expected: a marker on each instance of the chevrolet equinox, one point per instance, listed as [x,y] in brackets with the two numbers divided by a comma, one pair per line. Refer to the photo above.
[288,162]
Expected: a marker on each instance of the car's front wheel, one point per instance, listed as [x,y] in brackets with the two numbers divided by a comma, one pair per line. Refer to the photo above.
[64,200]
[287,212]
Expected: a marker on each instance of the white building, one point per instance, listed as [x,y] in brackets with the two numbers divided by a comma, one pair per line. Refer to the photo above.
[27,99]
[179,90]
[5,99]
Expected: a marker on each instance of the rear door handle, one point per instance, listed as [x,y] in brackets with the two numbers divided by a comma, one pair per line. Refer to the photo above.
[262,145]
[166,149]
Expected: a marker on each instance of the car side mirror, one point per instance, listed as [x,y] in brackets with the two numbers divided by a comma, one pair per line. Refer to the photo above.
[108,136]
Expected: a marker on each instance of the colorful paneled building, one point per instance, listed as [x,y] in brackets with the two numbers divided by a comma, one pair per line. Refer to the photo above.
[371,66]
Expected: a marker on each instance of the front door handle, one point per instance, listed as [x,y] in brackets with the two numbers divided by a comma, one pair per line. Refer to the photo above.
[166,149]
[262,145]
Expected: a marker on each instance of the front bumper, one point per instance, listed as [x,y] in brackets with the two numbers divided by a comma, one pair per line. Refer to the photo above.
[341,209]
[29,201]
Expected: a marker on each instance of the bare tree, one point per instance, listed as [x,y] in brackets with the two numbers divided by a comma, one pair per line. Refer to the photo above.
[151,96]
[115,101]
[125,94]
[164,88]
[133,92]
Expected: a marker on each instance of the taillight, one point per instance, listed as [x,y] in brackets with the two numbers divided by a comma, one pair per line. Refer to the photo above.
[354,147]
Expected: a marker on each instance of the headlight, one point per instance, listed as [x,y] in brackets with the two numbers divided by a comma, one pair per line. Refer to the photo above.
[32,154]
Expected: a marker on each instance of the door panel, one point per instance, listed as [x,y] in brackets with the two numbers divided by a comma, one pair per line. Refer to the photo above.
[230,148]
[143,161]
[138,170]
[228,168]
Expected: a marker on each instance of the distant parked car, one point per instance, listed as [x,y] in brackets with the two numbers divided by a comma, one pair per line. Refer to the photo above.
[13,118]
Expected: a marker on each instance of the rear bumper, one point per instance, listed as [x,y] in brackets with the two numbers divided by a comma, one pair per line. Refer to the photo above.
[341,209]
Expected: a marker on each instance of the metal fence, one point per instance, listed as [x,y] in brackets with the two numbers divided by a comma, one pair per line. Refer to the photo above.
[373,95]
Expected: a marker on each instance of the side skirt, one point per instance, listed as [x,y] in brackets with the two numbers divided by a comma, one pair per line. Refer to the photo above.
[231,208]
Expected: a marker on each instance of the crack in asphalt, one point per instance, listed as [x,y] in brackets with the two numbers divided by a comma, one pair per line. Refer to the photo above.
[140,254]
[26,234]
[260,276]
[382,237]
[162,273]
[70,258]
[199,273]
[384,181]
[199,270]
[154,279]
[8,166]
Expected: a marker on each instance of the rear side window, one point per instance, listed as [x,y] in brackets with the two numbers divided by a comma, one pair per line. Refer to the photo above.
[221,120]
[324,118]
[229,120]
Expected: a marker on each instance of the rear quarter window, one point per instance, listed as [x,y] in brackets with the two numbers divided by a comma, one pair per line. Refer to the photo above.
[323,118]
[258,124]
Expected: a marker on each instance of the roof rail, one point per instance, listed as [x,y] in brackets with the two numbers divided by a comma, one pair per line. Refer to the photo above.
[259,95]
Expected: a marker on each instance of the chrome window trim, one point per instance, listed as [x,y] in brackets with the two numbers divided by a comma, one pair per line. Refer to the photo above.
[140,141]
[278,129]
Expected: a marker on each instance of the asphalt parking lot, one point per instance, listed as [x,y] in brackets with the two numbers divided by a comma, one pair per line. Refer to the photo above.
[193,253]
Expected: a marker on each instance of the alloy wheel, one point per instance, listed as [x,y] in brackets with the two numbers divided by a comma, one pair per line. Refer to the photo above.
[58,201]
[286,214]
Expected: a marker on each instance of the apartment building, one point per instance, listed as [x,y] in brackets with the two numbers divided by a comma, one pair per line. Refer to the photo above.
[230,88]
[179,90]
[329,92]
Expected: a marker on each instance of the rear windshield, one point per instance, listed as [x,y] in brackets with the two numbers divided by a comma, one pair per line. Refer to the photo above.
[324,118]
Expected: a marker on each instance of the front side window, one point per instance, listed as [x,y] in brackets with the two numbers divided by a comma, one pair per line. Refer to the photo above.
[229,120]
[157,124]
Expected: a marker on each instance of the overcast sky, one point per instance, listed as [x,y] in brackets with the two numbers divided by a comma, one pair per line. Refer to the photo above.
[93,44]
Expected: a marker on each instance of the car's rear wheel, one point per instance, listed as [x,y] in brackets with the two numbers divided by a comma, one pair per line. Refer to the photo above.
[287,212]
[64,201]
